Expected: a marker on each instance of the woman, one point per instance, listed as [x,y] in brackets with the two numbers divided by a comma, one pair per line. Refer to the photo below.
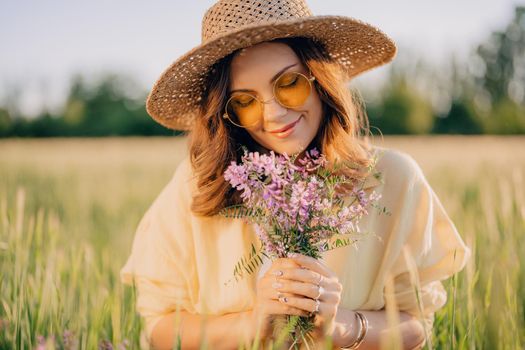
[271,76]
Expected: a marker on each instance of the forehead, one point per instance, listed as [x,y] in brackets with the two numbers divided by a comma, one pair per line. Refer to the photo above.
[258,63]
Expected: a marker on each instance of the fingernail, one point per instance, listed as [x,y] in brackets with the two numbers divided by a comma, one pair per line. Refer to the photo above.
[277,273]
[293,255]
[277,285]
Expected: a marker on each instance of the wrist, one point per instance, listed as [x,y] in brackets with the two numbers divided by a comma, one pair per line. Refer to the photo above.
[346,330]
[361,333]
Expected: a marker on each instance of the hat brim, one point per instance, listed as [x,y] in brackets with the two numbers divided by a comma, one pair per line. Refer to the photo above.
[357,46]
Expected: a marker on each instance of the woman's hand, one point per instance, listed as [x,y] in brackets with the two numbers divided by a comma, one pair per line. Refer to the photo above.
[313,280]
[267,303]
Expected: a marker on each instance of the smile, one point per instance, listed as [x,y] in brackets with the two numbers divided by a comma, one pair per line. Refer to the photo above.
[287,130]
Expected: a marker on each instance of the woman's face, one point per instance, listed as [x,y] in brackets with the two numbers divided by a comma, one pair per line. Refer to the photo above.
[253,69]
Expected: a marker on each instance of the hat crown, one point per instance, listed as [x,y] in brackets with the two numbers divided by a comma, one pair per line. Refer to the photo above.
[229,15]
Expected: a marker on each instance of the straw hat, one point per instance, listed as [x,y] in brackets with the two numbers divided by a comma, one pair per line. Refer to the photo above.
[233,24]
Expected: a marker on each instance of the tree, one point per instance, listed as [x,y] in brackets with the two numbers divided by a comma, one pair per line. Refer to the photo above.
[402,110]
[113,105]
[5,122]
[503,59]
[462,118]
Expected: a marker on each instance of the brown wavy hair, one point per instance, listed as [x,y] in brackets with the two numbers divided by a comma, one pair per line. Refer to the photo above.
[214,142]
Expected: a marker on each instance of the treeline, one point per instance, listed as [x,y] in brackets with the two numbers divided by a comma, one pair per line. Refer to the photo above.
[484,96]
[105,108]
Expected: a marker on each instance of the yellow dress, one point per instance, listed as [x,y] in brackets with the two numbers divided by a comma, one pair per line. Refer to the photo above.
[180,259]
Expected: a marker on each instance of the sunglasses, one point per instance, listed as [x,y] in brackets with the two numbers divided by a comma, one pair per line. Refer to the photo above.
[290,90]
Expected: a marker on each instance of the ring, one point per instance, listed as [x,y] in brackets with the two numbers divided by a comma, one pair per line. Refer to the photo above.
[321,290]
[282,298]
[317,303]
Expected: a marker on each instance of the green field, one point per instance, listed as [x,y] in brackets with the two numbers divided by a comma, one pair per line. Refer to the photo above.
[69,208]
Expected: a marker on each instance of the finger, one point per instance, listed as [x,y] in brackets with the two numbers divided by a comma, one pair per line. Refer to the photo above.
[275,307]
[301,303]
[280,264]
[301,275]
[314,265]
[274,294]
[269,292]
[284,262]
[300,288]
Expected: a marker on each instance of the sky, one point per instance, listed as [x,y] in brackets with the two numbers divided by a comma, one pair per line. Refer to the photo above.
[44,43]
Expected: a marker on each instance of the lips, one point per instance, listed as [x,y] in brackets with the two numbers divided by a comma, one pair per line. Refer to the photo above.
[291,125]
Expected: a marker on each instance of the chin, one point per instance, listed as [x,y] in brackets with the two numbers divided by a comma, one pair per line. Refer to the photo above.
[290,147]
[288,150]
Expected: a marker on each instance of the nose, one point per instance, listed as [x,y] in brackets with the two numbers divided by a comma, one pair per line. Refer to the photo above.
[273,110]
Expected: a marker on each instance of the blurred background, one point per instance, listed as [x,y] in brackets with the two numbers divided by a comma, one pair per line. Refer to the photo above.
[84,69]
[70,199]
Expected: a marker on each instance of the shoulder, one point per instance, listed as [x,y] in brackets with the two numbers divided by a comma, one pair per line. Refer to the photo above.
[183,170]
[177,191]
[182,179]
[396,166]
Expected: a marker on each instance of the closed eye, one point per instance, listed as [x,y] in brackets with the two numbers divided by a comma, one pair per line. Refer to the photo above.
[245,103]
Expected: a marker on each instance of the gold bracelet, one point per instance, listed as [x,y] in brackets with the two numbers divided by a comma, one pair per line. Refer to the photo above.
[363,328]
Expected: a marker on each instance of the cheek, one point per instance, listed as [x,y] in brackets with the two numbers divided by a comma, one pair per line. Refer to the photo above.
[315,112]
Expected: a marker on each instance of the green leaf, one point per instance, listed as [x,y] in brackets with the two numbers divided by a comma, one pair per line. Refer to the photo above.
[248,264]
[239,211]
[339,243]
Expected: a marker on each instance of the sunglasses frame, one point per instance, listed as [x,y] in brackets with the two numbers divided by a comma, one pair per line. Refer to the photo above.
[226,116]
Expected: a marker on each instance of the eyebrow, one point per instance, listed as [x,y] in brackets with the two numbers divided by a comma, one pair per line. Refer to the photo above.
[271,81]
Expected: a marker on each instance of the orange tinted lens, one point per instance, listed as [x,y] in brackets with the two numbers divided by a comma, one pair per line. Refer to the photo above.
[292,89]
[244,110]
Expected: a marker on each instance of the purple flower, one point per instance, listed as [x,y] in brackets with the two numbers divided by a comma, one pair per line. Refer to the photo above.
[105,345]
[236,175]
[301,205]
[295,198]
[42,342]
[69,340]
[314,152]
[124,345]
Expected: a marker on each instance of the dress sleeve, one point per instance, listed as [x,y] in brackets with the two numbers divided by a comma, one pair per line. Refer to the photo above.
[161,263]
[430,250]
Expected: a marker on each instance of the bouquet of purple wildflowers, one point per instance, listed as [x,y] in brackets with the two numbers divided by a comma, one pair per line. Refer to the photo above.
[296,208]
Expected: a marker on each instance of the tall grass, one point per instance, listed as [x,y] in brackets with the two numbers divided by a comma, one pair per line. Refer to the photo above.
[69,208]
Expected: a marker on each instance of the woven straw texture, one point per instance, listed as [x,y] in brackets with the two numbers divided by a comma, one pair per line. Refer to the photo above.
[232,24]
